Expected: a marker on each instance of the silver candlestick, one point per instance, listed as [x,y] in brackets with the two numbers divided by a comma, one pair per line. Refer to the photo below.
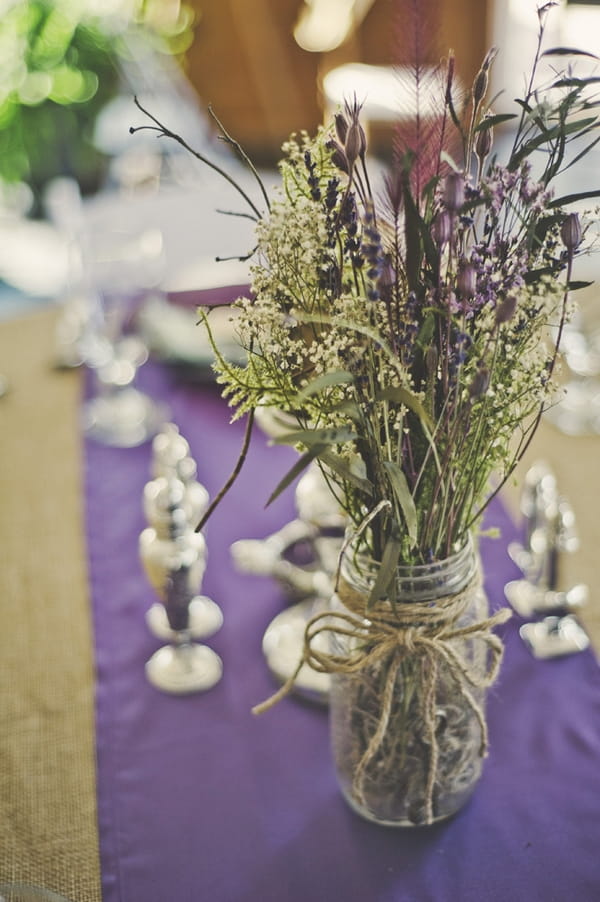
[318,530]
[171,460]
[550,533]
[538,505]
[174,557]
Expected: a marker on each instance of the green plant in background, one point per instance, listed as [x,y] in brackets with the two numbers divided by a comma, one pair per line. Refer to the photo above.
[60,63]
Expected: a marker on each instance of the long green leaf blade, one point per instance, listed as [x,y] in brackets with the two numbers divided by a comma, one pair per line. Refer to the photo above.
[405,499]
[407,398]
[568,51]
[491,121]
[326,380]
[300,465]
[573,198]
[339,466]
[386,574]
[310,437]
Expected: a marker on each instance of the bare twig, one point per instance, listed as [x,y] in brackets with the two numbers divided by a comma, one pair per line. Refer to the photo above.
[234,475]
[164,132]
[225,136]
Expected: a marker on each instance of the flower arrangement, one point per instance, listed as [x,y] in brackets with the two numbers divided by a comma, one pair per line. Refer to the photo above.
[409,328]
[412,331]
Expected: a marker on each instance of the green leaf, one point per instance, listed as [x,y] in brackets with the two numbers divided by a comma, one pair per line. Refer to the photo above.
[568,51]
[310,437]
[573,198]
[576,286]
[300,465]
[573,82]
[337,465]
[412,233]
[491,121]
[534,275]
[349,408]
[337,377]
[403,396]
[386,574]
[560,132]
[426,331]
[523,103]
[582,153]
[492,532]
[405,499]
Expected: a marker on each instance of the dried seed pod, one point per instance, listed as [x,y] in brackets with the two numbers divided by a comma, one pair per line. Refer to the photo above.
[466,280]
[338,156]
[483,143]
[431,360]
[355,143]
[454,191]
[480,383]
[480,85]
[341,127]
[441,229]
[570,232]
[506,309]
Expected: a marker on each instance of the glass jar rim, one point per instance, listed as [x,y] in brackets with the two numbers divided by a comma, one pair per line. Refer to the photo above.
[421,582]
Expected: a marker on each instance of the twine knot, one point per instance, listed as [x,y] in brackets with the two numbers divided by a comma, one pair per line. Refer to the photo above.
[385,637]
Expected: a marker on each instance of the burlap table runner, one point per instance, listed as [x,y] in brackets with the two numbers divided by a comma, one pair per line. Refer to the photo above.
[48,832]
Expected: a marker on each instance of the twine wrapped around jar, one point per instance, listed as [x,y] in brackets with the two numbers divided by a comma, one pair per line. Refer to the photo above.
[384,638]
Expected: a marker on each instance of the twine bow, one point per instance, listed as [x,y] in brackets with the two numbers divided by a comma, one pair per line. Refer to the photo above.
[385,639]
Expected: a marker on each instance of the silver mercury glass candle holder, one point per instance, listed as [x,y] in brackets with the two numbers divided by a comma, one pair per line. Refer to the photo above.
[171,459]
[174,556]
[538,505]
[540,596]
[306,579]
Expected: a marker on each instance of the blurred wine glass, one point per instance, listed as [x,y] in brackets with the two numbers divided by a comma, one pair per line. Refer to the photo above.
[124,264]
[578,411]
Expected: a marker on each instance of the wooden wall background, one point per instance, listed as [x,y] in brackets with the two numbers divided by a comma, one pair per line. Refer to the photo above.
[262,85]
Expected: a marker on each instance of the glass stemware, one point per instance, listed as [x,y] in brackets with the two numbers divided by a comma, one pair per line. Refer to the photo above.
[578,412]
[124,264]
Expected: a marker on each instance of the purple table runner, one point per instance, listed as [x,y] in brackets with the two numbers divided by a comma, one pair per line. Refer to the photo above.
[200,801]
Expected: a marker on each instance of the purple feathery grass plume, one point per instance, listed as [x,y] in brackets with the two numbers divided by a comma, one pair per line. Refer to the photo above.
[424,88]
[393,194]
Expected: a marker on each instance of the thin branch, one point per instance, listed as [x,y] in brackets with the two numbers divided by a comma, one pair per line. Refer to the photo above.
[241,257]
[225,136]
[236,213]
[235,473]
[164,132]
